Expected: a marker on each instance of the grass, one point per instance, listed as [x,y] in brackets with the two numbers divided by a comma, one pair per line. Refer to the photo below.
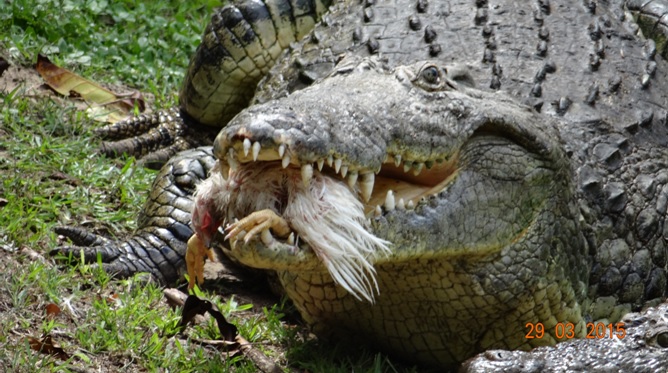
[51,174]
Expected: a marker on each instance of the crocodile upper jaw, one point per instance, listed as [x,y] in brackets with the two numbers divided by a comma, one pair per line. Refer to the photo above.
[399,181]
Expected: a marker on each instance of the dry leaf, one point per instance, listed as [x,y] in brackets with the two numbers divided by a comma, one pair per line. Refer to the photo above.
[52,310]
[231,347]
[111,299]
[46,346]
[195,306]
[106,105]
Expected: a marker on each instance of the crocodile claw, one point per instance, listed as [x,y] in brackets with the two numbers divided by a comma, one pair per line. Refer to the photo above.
[121,259]
[154,138]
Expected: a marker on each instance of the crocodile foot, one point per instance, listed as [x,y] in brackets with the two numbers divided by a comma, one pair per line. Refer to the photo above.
[159,244]
[143,252]
[155,137]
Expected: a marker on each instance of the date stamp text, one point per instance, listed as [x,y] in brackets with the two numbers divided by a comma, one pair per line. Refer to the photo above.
[567,330]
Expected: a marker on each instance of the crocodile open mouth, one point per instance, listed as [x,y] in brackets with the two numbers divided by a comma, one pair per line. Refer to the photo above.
[398,184]
[323,206]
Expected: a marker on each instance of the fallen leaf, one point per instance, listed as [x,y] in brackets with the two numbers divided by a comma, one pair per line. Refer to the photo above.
[227,330]
[70,180]
[195,306]
[52,310]
[46,346]
[107,106]
[232,347]
[111,299]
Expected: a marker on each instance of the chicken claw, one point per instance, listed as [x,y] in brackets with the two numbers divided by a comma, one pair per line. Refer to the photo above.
[195,254]
[256,223]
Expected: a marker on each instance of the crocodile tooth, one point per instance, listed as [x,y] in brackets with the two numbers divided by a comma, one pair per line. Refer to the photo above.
[256,150]
[285,161]
[417,168]
[344,171]
[378,211]
[224,170]
[330,160]
[366,185]
[307,174]
[410,205]
[281,150]
[407,166]
[321,162]
[401,205]
[389,201]
[337,164]
[231,161]
[352,179]
[247,146]
[397,160]
[291,239]
[266,237]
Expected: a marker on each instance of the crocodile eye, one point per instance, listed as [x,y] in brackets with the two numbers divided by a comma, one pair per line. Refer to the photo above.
[662,339]
[431,75]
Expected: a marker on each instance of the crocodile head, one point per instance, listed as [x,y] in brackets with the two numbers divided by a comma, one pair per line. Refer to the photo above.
[437,169]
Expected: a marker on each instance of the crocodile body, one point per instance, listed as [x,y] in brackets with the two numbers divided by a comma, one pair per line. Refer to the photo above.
[514,157]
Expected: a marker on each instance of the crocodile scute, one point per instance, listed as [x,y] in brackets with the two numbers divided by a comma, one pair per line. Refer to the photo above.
[513,156]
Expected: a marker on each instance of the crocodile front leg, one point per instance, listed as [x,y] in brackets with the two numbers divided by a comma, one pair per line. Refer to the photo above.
[159,245]
[240,44]
[154,137]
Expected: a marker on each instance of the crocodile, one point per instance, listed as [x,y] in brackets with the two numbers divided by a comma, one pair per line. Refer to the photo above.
[508,159]
[642,347]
